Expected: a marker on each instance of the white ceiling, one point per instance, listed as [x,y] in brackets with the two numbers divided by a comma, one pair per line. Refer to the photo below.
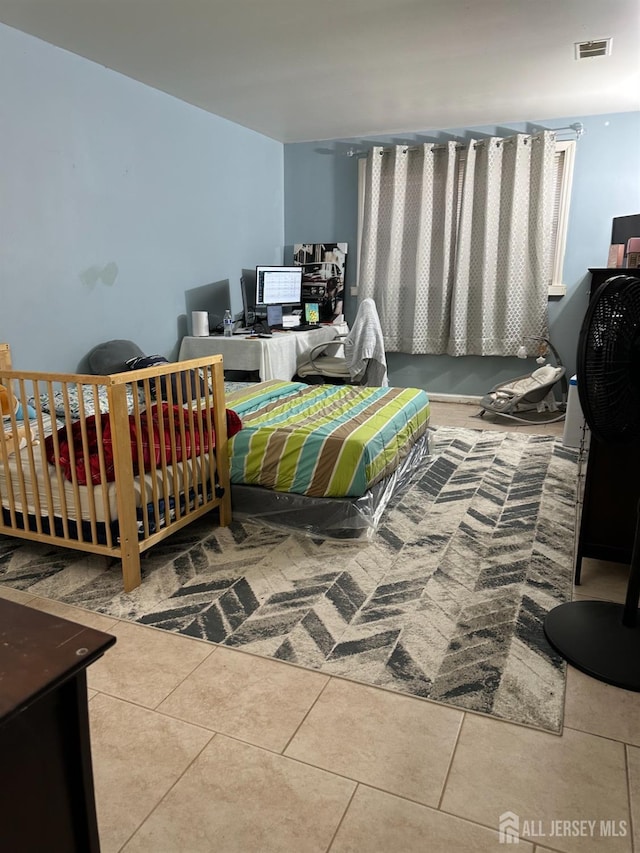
[299,70]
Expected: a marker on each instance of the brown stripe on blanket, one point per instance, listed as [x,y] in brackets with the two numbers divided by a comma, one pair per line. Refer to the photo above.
[276,443]
[332,447]
[272,456]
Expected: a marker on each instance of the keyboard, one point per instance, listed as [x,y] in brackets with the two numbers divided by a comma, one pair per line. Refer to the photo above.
[305,327]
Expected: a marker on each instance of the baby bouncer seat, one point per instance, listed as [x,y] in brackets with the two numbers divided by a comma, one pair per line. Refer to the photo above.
[525,398]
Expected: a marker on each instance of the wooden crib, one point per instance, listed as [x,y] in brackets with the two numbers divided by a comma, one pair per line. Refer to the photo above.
[113,464]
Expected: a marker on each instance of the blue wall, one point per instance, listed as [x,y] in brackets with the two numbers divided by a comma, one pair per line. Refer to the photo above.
[116,201]
[321,180]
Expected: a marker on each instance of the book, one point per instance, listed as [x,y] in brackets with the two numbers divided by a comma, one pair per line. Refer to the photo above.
[311,312]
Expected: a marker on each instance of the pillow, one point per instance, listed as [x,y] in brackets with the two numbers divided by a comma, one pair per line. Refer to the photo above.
[56,404]
[111,357]
[142,361]
[197,385]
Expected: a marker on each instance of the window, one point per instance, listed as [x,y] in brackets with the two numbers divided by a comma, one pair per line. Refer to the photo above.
[565,155]
[564,160]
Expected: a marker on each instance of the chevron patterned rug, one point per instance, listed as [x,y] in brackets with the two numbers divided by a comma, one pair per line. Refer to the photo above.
[446,602]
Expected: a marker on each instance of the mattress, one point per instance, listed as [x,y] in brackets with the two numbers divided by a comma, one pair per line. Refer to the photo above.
[330,518]
[323,440]
[103,497]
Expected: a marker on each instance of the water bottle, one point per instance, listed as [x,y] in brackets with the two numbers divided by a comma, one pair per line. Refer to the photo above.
[227,323]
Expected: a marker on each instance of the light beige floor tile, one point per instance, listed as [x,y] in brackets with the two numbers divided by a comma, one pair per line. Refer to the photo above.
[74,614]
[17,595]
[599,708]
[603,580]
[595,837]
[137,756]
[633,763]
[258,700]
[500,767]
[579,596]
[401,744]
[145,664]
[377,822]
[237,798]
[546,849]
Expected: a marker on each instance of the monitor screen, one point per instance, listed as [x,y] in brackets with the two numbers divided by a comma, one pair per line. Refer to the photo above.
[278,285]
[625,227]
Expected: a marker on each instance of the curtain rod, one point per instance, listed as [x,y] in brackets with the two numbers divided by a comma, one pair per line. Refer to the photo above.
[577,128]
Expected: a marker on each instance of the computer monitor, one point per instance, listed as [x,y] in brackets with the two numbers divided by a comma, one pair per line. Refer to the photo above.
[625,227]
[278,286]
[248,290]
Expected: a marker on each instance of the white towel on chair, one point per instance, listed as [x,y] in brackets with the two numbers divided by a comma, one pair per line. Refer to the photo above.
[365,344]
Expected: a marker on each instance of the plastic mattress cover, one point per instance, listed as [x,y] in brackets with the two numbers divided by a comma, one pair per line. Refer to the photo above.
[331,518]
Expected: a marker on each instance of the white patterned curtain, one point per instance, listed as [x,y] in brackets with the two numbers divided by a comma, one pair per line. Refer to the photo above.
[459,269]
[408,241]
[503,257]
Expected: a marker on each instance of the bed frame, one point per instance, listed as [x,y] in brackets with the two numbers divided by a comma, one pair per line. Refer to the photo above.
[200,479]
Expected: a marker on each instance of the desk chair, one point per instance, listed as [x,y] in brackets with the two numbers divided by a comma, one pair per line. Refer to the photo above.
[363,361]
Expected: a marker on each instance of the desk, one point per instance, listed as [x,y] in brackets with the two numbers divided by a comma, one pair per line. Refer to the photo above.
[273,358]
[47,800]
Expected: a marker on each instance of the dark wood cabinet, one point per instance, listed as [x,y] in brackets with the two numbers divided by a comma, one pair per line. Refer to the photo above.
[47,800]
[610,503]
[600,274]
[611,488]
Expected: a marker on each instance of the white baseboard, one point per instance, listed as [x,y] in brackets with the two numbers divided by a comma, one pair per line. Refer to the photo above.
[453,398]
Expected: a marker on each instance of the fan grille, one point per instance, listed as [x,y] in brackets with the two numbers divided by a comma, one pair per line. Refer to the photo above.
[609,361]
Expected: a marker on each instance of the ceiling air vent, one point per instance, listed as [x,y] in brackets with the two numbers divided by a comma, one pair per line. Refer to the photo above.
[597,47]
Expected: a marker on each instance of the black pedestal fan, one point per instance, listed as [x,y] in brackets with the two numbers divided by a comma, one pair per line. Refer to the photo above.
[598,637]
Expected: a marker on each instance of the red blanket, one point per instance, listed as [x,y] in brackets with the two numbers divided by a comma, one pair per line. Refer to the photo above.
[154,433]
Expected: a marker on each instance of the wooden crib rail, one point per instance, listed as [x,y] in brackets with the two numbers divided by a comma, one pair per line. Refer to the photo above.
[119,482]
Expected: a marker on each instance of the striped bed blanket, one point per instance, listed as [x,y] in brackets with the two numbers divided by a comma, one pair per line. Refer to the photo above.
[323,440]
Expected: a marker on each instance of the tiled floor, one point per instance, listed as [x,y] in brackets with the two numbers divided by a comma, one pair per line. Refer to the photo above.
[198,748]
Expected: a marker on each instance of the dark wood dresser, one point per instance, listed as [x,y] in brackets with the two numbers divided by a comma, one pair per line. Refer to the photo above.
[600,274]
[47,800]
[611,488]
[609,503]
